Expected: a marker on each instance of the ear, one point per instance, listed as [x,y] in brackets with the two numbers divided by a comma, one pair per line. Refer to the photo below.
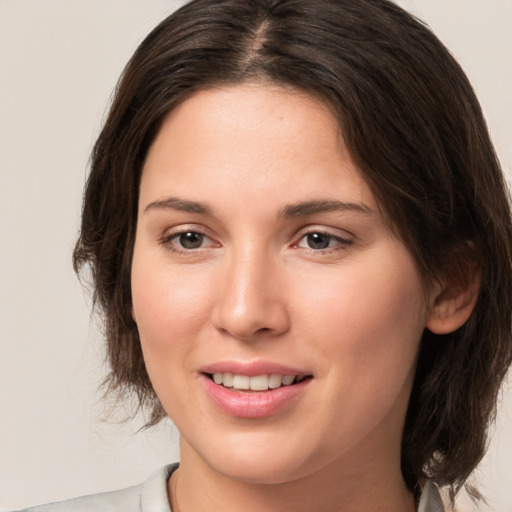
[454,303]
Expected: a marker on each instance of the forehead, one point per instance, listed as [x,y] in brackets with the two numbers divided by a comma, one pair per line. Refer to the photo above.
[265,101]
[259,138]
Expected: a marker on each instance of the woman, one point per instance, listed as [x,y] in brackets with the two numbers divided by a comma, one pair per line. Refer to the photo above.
[300,239]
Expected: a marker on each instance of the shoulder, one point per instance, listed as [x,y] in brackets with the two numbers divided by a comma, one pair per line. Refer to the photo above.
[127,500]
[150,496]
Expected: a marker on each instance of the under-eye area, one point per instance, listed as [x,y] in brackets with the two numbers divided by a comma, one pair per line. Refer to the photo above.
[255,383]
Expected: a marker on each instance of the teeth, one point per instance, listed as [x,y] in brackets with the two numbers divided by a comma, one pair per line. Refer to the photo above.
[241,381]
[275,381]
[227,379]
[288,379]
[257,383]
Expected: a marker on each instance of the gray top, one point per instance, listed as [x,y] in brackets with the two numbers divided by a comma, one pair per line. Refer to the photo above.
[151,496]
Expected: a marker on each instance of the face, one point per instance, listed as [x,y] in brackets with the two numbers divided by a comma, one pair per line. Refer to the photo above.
[262,261]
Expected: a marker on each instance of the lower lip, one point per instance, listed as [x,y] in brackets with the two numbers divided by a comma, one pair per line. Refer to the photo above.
[255,404]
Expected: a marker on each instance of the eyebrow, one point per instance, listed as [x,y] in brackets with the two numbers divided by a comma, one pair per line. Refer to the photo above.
[175,203]
[291,210]
[322,206]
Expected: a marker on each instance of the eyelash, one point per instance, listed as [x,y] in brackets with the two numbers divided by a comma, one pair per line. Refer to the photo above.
[167,241]
[341,243]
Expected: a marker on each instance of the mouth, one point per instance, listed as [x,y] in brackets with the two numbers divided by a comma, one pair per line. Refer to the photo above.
[257,383]
[254,389]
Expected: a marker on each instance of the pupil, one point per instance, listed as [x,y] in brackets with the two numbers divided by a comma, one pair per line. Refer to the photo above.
[191,240]
[318,241]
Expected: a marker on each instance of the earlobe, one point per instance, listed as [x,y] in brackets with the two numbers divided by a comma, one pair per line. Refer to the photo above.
[453,305]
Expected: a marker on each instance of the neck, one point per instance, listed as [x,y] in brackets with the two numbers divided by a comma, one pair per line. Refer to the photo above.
[348,485]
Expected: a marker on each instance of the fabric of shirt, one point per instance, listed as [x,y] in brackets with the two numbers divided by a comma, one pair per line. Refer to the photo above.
[151,496]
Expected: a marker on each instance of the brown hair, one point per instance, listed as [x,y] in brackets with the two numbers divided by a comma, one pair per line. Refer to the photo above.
[415,129]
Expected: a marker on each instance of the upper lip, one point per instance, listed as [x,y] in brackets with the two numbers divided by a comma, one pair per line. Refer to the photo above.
[253,368]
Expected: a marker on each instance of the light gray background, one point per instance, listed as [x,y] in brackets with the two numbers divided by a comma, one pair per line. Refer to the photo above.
[59,61]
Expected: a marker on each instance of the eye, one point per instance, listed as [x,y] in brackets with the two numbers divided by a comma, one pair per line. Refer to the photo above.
[185,241]
[190,240]
[320,241]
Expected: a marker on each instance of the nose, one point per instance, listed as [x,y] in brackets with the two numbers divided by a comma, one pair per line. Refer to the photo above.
[251,298]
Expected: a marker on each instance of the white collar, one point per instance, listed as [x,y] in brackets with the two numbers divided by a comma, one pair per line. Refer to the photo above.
[430,500]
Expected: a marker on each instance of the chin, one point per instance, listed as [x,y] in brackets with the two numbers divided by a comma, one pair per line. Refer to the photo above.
[260,459]
[261,472]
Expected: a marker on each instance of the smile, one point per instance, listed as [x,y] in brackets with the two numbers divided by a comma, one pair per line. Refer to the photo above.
[255,383]
[254,396]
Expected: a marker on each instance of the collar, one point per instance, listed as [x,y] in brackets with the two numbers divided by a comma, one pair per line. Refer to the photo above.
[430,500]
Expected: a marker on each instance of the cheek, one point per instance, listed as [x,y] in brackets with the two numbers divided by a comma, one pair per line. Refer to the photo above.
[170,309]
[368,328]
[169,305]
[372,316]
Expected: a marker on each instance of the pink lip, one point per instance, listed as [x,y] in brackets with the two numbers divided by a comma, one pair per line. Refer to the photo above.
[252,369]
[252,404]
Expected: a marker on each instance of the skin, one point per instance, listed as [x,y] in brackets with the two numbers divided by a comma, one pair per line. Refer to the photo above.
[351,315]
